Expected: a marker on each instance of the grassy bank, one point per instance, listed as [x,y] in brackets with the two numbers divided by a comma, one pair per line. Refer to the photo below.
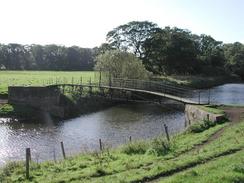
[40,78]
[199,82]
[186,154]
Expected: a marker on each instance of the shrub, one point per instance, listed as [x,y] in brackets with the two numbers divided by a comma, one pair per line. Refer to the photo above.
[136,147]
[161,145]
[201,126]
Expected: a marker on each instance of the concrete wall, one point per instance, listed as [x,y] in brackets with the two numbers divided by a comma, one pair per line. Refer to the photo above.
[44,98]
[194,114]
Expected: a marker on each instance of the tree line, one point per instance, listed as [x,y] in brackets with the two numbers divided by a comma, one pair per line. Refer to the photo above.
[48,57]
[163,51]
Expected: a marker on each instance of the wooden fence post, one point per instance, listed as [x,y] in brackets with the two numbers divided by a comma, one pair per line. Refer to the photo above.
[54,155]
[27,163]
[100,145]
[62,147]
[208,96]
[199,97]
[130,138]
[166,131]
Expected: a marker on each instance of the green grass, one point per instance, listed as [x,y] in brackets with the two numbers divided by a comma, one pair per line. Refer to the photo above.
[125,164]
[211,108]
[225,169]
[41,78]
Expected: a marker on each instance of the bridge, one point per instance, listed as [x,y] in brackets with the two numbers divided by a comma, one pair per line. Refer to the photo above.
[153,88]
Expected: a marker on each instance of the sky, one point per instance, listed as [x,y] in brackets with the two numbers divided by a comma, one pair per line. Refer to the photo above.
[85,23]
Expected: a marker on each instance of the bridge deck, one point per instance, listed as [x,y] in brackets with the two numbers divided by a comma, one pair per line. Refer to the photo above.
[161,94]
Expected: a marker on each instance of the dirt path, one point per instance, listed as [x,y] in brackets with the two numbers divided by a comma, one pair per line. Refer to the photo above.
[171,172]
[234,114]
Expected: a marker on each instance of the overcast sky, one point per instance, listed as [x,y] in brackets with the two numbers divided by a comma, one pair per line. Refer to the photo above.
[86,22]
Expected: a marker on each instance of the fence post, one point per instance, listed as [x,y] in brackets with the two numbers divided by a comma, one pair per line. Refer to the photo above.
[199,97]
[208,96]
[130,138]
[90,87]
[166,131]
[100,145]
[54,155]
[62,147]
[27,163]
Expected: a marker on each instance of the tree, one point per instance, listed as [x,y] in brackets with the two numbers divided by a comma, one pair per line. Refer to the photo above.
[170,51]
[121,64]
[130,36]
[234,54]
[211,54]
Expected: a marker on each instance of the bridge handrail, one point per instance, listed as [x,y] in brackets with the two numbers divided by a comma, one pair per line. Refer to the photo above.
[158,83]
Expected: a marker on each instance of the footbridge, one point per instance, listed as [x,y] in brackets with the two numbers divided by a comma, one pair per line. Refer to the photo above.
[180,94]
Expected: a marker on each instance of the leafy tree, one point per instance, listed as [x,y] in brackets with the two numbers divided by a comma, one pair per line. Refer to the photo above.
[234,54]
[130,36]
[170,51]
[211,54]
[121,64]
[102,48]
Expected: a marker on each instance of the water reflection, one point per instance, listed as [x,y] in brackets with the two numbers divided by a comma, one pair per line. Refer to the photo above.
[113,126]
[228,94]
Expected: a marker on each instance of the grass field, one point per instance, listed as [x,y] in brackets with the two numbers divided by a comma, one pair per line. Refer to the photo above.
[41,78]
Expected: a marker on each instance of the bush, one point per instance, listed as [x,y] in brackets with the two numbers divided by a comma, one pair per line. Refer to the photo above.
[201,126]
[161,145]
[156,146]
[121,64]
[136,147]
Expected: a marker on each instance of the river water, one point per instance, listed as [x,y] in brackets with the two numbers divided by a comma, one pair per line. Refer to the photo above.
[113,126]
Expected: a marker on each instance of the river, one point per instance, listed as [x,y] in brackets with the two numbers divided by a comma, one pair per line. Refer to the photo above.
[114,126]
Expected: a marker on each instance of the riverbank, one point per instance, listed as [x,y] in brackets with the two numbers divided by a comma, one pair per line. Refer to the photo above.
[190,156]
[199,82]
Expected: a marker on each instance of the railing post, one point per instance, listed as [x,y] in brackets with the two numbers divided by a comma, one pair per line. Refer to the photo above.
[90,87]
[100,77]
[110,80]
[81,80]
